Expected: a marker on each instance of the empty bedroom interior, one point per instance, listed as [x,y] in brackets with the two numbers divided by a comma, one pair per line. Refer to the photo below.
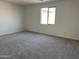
[39,29]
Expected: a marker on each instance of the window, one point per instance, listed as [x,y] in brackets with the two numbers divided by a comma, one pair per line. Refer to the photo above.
[48,15]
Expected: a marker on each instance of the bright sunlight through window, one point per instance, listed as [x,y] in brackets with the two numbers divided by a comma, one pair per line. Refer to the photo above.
[48,15]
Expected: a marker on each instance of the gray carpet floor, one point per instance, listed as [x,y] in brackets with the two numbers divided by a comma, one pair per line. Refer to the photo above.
[27,45]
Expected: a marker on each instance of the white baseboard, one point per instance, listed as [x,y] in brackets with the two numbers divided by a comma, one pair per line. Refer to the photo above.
[2,34]
[60,36]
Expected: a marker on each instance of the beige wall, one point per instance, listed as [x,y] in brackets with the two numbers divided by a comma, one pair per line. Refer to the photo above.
[11,18]
[67,19]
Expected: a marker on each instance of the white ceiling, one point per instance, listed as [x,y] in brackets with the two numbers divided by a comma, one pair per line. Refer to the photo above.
[25,2]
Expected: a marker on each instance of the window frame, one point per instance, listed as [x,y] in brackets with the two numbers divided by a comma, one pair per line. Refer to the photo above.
[48,15]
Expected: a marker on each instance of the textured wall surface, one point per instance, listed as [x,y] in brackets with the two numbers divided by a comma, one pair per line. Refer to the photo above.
[67,19]
[27,45]
[11,18]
